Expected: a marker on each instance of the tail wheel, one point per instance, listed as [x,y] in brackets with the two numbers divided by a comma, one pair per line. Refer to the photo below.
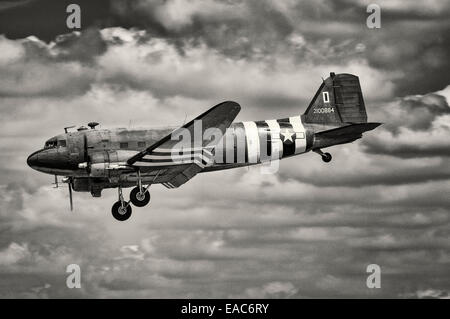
[120,212]
[326,157]
[139,199]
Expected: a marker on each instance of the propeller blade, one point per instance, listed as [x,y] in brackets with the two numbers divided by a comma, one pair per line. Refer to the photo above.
[70,195]
[86,154]
[56,182]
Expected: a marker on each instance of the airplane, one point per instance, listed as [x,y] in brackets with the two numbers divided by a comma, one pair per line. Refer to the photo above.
[94,159]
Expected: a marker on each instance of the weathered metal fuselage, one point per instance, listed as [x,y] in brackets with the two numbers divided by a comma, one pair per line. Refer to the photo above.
[107,150]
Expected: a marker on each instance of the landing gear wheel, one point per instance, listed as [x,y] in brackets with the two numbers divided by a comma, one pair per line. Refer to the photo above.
[326,157]
[139,199]
[120,212]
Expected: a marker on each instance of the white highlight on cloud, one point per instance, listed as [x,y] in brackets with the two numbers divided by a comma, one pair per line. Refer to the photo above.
[11,50]
[432,293]
[275,289]
[14,253]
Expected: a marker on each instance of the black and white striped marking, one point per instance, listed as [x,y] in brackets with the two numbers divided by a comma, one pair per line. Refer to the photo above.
[168,157]
[264,140]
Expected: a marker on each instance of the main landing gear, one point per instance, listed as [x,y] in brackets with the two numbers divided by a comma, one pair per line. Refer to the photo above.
[121,209]
[326,157]
[139,197]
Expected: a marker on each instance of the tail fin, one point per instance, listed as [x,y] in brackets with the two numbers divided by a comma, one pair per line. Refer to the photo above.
[338,100]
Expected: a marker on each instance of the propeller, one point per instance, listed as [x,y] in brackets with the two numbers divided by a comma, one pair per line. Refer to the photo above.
[86,154]
[56,182]
[70,194]
[69,181]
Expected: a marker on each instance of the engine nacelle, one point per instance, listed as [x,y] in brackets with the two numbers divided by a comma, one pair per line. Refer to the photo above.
[81,185]
[106,164]
[92,185]
[99,170]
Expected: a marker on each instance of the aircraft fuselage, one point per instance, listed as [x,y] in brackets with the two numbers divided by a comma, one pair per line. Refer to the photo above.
[245,143]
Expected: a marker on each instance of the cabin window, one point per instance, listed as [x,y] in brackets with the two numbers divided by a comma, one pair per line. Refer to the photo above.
[51,143]
[141,144]
[62,143]
[124,145]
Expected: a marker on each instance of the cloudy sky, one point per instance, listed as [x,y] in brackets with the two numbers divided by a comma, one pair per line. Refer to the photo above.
[308,231]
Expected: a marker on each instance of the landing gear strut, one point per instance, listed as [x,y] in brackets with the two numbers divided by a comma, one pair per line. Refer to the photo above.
[140,196]
[121,209]
[326,157]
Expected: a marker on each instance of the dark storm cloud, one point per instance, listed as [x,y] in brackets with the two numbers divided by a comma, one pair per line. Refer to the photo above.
[415,42]
[376,146]
[8,4]
[418,112]
[46,19]
[84,47]
[415,126]
[235,27]
[390,172]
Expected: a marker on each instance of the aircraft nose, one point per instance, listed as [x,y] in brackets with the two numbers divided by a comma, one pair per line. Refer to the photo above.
[33,160]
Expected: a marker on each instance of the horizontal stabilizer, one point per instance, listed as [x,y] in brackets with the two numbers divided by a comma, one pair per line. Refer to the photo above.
[352,129]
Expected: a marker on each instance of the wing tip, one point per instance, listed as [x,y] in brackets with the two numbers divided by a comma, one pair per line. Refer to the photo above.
[232,105]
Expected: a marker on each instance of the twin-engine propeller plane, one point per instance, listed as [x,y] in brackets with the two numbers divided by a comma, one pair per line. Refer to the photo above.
[94,159]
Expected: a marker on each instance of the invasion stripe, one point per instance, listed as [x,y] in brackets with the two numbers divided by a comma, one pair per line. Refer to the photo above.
[277,144]
[252,140]
[169,157]
[265,141]
[175,160]
[240,144]
[228,146]
[199,160]
[169,150]
[180,152]
[176,156]
[141,163]
[300,136]
[153,164]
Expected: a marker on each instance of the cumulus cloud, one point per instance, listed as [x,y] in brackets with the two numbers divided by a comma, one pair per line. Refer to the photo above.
[13,253]
[416,126]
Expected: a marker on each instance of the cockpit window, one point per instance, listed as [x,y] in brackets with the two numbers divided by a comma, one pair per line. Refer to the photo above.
[62,143]
[51,143]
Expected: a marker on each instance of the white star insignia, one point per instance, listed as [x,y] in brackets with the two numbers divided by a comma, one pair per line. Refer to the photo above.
[287,135]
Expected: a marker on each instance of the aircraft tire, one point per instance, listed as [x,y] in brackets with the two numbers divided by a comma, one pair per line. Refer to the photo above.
[326,157]
[119,213]
[139,200]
